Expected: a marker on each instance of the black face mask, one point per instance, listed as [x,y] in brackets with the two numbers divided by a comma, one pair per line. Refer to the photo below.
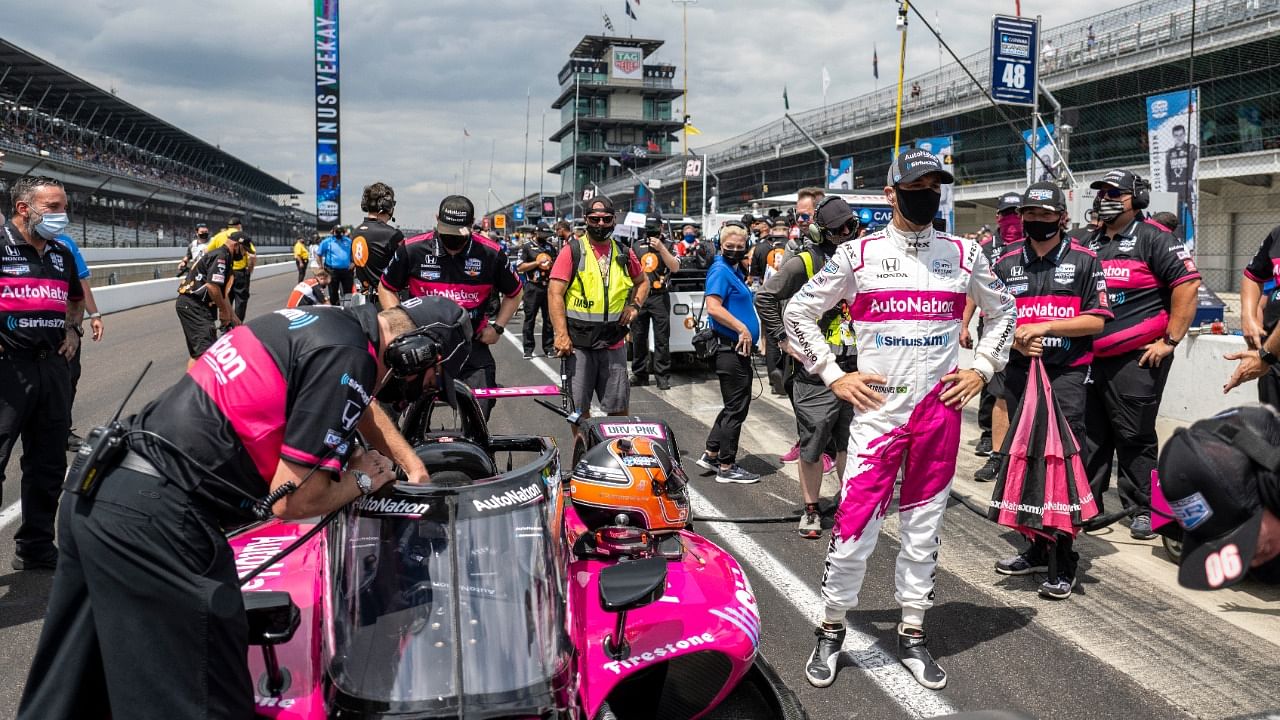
[454,243]
[1040,229]
[599,233]
[398,390]
[918,207]
[734,257]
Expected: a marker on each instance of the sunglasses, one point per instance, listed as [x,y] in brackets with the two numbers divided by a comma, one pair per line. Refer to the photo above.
[804,217]
[1114,193]
[599,219]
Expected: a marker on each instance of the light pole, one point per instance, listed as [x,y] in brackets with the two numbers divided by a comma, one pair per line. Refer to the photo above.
[684,183]
[902,68]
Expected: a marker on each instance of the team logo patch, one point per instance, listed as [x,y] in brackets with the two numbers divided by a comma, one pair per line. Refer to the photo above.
[649,263]
[298,319]
[942,268]
[360,251]
[1016,271]
[1127,244]
[57,263]
[1065,273]
[1191,511]
[472,267]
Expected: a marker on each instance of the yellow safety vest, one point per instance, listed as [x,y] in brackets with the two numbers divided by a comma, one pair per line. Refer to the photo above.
[589,298]
[839,329]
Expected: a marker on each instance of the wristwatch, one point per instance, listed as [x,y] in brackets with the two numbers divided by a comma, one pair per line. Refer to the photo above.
[634,305]
[498,328]
[1168,340]
[363,481]
[1267,356]
[94,315]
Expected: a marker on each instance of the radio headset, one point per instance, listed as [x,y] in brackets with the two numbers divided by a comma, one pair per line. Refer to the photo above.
[1141,192]
[816,231]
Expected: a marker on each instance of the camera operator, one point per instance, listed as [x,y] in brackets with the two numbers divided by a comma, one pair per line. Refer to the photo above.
[1220,479]
[658,263]
[146,619]
[694,254]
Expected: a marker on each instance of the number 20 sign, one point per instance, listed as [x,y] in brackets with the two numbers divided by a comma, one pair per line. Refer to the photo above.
[1015,50]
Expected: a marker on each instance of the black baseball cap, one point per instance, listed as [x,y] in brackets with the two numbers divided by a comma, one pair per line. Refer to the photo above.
[233,221]
[833,213]
[598,204]
[1209,473]
[913,164]
[449,325]
[236,236]
[456,216]
[543,228]
[1122,179]
[652,226]
[1009,201]
[1044,195]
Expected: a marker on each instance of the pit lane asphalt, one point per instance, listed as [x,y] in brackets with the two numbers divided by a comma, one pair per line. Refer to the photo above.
[1129,644]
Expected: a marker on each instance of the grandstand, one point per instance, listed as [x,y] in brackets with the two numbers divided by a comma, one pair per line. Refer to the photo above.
[132,178]
[1100,69]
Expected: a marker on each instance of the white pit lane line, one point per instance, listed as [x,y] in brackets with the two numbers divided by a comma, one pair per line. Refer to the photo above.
[883,669]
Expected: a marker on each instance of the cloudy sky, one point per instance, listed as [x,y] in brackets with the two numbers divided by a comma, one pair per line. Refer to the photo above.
[239,73]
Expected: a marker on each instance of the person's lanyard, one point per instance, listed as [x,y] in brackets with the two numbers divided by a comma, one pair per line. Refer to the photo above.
[605,273]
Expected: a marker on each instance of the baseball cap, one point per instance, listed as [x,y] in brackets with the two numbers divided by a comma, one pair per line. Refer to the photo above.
[915,163]
[543,229]
[833,213]
[599,204]
[448,324]
[1209,474]
[456,216]
[1043,195]
[1009,201]
[236,236]
[652,226]
[1122,179]
[233,221]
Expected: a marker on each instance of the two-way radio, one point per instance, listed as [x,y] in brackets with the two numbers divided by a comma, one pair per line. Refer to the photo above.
[102,449]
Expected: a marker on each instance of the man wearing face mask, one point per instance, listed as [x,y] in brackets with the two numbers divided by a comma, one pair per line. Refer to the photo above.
[43,305]
[195,249]
[694,254]
[597,288]
[204,297]
[335,256]
[906,288]
[535,262]
[276,405]
[374,241]
[1062,303]
[454,264]
[1152,282]
[822,419]
[658,263]
[1008,231]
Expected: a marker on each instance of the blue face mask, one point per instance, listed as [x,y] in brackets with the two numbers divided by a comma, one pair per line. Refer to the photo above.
[690,238]
[52,224]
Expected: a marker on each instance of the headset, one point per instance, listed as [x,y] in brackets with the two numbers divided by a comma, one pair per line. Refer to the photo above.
[816,230]
[1141,192]
[383,202]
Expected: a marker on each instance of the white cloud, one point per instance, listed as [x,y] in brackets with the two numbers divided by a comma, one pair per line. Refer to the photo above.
[239,73]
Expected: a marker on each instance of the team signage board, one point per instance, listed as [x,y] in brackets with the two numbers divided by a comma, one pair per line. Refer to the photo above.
[328,177]
[1173,132]
[500,221]
[627,64]
[840,174]
[1015,49]
[518,212]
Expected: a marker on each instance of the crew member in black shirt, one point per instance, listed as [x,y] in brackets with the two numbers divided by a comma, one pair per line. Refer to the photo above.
[145,619]
[373,241]
[205,296]
[41,308]
[536,257]
[658,262]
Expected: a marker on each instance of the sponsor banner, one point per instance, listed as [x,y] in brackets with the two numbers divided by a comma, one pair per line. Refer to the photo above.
[1036,171]
[942,148]
[1173,136]
[840,174]
[627,64]
[328,177]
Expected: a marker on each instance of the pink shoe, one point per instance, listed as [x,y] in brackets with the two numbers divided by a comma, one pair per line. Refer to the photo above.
[792,456]
[827,464]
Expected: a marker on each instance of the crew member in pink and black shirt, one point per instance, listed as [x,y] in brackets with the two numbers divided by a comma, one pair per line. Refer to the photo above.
[1061,300]
[465,267]
[147,585]
[1152,283]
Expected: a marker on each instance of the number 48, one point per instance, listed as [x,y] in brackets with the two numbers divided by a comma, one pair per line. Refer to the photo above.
[1015,76]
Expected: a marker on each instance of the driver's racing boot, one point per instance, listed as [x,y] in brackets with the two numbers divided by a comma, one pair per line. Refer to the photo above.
[914,654]
[821,668]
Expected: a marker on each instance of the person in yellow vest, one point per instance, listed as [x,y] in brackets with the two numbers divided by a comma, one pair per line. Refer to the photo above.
[596,290]
[241,268]
[300,257]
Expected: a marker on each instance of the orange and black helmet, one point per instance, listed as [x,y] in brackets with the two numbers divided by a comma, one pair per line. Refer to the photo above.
[635,477]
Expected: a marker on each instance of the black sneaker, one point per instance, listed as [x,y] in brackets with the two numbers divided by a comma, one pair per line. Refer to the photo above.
[706,462]
[984,446]
[820,671]
[639,380]
[914,654]
[74,441]
[1023,564]
[1059,589]
[528,354]
[1140,527]
[988,472]
[44,563]
[664,383]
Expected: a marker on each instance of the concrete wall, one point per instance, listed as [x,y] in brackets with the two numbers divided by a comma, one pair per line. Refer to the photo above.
[115,298]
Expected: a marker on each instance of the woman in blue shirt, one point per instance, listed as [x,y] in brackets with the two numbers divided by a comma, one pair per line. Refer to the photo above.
[730,305]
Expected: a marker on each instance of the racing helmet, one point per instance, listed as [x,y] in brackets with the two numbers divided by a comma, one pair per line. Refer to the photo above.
[634,477]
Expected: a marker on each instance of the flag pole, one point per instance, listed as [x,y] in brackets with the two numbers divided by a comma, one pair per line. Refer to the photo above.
[902,68]
[577,110]
[684,182]
[528,106]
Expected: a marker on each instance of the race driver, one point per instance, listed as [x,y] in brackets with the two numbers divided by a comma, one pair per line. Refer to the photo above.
[374,241]
[145,618]
[906,288]
[455,264]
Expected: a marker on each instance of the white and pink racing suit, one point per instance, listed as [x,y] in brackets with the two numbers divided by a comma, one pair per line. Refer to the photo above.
[906,293]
